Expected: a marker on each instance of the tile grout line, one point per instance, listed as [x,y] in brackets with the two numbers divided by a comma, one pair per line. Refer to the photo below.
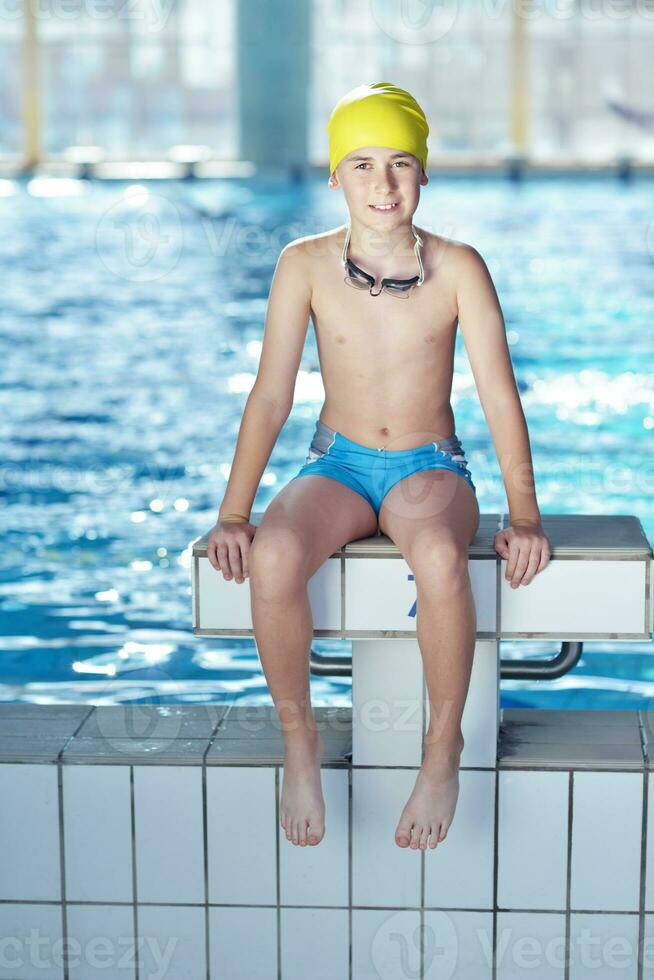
[568,878]
[134,875]
[278,877]
[205,835]
[62,842]
[205,859]
[496,833]
[62,865]
[101,903]
[350,778]
[643,881]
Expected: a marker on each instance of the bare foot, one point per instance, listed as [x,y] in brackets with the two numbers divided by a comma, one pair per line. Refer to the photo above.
[429,810]
[302,808]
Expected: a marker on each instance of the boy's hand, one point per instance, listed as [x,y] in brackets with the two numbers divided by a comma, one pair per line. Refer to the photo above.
[228,547]
[526,548]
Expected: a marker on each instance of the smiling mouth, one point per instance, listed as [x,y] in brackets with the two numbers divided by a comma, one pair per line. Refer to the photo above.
[384,207]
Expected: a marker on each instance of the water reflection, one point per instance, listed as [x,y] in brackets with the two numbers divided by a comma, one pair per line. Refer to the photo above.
[123,389]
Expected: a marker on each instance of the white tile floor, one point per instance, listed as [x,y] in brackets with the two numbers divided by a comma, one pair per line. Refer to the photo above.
[540,864]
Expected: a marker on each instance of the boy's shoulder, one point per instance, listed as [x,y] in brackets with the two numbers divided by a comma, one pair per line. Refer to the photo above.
[309,246]
[305,256]
[444,247]
[451,257]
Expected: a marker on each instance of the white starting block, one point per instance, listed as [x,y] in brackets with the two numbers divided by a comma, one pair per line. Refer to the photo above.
[597,586]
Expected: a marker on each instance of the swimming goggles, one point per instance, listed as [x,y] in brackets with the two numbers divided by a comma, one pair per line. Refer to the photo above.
[402,288]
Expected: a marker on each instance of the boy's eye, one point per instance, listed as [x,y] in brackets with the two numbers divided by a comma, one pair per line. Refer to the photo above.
[365,164]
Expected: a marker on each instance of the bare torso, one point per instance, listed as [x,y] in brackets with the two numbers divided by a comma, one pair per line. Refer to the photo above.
[386,362]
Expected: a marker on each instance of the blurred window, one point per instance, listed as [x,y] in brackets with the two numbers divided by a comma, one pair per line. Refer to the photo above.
[585,64]
[138,78]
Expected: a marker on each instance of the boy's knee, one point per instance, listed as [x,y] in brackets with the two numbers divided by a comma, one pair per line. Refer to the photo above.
[277,558]
[440,553]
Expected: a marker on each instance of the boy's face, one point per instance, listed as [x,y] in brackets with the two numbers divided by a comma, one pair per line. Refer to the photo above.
[374,175]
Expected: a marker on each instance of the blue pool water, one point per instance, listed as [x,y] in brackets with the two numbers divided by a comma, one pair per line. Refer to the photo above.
[129,338]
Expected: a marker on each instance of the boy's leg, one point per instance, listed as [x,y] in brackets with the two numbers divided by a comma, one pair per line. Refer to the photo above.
[309,519]
[432,516]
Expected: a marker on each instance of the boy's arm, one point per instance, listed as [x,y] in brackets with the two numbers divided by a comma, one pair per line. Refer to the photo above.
[271,398]
[482,326]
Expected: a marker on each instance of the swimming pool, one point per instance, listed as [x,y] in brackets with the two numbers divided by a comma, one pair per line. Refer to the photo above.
[130,337]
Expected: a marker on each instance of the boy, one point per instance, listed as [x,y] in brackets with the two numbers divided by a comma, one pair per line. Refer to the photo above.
[385,299]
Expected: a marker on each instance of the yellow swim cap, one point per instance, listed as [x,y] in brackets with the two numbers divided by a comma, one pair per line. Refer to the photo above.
[380,114]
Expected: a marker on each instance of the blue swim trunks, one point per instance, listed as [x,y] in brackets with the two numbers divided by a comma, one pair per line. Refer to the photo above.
[372,472]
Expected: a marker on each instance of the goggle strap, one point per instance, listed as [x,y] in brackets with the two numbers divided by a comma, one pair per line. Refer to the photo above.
[416,248]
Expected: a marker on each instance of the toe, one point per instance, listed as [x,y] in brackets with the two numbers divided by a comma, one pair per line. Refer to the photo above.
[294,832]
[424,836]
[403,834]
[433,837]
[302,833]
[415,836]
[314,833]
[443,832]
